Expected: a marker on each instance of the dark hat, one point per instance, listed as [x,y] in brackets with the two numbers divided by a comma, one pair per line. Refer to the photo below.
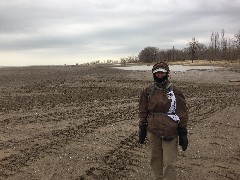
[160,67]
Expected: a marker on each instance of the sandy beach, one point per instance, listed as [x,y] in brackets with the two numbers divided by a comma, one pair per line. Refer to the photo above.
[81,122]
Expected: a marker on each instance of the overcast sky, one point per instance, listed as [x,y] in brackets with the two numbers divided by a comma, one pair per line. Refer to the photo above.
[57,32]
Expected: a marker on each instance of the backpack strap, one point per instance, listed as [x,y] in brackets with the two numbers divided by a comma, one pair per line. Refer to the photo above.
[169,87]
[152,90]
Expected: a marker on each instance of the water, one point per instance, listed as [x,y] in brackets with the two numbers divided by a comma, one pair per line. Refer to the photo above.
[171,67]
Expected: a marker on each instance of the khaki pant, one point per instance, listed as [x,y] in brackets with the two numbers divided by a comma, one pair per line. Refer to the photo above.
[163,157]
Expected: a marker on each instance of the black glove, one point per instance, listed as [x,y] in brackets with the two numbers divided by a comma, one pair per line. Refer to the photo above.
[142,132]
[183,140]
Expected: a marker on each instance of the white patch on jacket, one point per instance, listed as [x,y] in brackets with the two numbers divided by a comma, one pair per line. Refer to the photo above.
[172,109]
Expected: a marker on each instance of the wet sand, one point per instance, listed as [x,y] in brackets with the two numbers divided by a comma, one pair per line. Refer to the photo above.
[80,122]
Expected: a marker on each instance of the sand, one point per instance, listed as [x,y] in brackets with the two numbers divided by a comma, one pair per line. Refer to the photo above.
[81,122]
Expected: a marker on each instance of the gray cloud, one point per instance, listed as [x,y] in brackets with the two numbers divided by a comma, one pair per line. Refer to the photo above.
[114,27]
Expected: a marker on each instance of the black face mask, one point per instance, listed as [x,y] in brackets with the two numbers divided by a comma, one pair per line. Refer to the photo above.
[160,80]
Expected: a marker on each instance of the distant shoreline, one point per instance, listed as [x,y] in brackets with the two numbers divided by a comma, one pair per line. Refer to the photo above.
[185,62]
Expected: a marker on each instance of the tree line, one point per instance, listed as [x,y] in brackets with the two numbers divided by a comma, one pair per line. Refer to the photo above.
[219,48]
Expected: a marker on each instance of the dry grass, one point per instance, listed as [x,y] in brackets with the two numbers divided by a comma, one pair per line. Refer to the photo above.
[207,62]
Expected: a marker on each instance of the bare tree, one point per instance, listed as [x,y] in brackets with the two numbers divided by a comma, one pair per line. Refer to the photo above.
[237,40]
[223,45]
[123,61]
[215,45]
[193,46]
[173,53]
[149,54]
[201,51]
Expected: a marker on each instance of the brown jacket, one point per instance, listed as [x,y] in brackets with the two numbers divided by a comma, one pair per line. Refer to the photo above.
[153,111]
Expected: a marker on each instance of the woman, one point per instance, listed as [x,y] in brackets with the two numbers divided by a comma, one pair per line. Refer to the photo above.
[163,115]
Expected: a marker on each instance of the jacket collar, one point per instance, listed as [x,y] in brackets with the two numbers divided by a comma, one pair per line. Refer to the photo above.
[163,84]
